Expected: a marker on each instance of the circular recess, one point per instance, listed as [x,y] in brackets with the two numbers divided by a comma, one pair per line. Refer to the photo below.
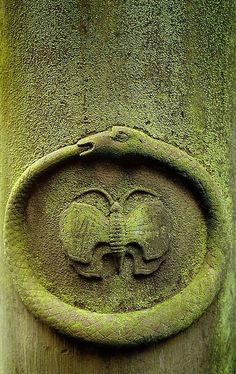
[116,232]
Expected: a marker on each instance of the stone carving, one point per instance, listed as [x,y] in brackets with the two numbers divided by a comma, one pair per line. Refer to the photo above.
[167,316]
[144,233]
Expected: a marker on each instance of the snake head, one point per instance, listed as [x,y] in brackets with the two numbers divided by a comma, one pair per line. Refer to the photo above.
[117,140]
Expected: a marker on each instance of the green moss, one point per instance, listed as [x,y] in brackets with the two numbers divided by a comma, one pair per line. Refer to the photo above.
[163,67]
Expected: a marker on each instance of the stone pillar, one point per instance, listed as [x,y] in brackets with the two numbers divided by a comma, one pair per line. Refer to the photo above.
[155,76]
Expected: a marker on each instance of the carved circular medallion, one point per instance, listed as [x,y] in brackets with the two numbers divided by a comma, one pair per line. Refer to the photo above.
[118,239]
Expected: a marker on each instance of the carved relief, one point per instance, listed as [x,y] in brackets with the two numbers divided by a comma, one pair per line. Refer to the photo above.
[155,218]
[143,232]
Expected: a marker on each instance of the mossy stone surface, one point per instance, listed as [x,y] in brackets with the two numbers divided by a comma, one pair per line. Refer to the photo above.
[71,67]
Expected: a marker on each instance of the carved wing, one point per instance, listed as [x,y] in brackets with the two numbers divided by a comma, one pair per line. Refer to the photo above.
[82,228]
[149,226]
